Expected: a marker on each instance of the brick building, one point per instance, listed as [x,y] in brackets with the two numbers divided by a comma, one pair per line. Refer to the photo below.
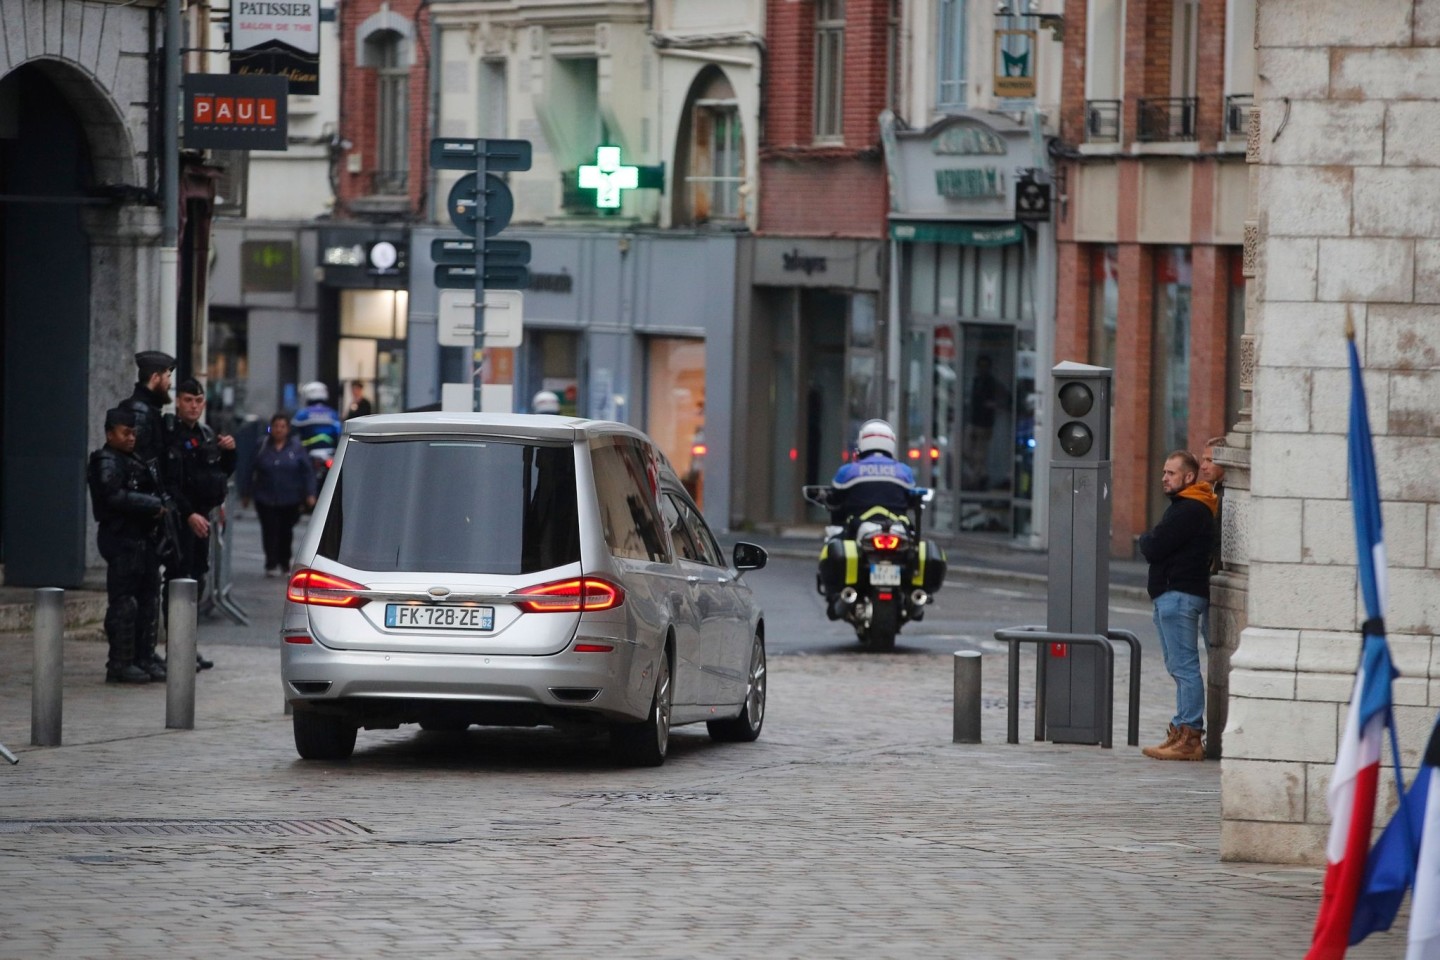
[813,324]
[1152,196]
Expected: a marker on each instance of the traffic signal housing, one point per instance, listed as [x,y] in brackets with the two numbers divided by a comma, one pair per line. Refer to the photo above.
[1081,395]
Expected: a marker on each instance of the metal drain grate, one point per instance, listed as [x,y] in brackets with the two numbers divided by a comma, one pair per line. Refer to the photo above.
[188,828]
[652,796]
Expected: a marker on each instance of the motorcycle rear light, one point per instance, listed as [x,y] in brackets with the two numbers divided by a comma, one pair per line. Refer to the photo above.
[934,453]
[571,596]
[593,648]
[885,541]
[886,597]
[914,453]
[325,590]
[329,464]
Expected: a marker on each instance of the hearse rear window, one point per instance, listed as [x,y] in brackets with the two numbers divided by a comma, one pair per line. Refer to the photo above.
[453,505]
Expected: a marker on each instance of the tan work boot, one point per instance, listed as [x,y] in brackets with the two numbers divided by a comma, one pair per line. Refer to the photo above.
[1171,735]
[1189,745]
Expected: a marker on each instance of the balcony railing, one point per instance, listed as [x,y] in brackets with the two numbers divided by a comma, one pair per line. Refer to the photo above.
[1102,121]
[1162,119]
[1237,115]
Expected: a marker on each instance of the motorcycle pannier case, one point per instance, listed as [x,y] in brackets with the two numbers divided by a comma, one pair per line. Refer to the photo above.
[930,567]
[839,565]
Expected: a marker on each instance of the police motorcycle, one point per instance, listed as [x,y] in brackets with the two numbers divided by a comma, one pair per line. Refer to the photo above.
[876,571]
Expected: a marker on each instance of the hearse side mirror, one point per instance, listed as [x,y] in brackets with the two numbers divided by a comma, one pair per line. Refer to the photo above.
[749,556]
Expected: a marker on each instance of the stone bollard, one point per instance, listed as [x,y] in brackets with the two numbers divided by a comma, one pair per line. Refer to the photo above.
[46,694]
[180,657]
[967,696]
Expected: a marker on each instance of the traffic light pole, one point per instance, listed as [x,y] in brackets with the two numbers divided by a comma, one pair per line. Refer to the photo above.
[477,352]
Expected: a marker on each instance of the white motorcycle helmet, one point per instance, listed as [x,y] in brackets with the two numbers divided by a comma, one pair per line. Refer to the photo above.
[315,392]
[876,435]
[546,401]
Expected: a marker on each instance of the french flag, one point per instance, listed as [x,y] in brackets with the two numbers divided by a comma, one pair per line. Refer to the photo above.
[1351,796]
[1351,799]
[1425,897]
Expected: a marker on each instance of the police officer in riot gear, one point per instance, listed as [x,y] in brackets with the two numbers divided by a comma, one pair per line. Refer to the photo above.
[204,462]
[151,394]
[126,496]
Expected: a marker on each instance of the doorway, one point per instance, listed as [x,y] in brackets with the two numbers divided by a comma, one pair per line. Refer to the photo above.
[45,343]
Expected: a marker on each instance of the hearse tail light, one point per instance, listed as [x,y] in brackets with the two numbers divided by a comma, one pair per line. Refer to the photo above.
[325,590]
[571,596]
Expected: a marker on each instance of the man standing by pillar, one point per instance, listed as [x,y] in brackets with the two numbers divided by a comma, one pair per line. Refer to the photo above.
[1178,550]
[205,462]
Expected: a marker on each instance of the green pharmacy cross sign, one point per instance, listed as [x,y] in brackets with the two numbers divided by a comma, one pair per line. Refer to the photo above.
[607,176]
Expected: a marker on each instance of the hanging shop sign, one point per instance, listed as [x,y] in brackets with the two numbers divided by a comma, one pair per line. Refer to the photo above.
[277,38]
[1015,63]
[234,113]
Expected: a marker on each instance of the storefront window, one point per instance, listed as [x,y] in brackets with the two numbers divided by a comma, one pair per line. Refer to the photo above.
[1104,304]
[1170,359]
[373,325]
[552,362]
[675,406]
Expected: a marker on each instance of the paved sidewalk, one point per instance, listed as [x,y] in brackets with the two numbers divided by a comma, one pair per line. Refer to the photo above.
[853,828]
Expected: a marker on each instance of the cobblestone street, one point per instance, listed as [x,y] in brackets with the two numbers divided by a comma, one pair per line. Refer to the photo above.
[853,828]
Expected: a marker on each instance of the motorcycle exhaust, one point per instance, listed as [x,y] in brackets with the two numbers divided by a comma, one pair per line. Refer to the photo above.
[919,598]
[849,595]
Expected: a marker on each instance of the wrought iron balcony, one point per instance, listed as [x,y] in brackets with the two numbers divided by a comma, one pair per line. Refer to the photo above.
[1237,114]
[1162,119]
[1102,121]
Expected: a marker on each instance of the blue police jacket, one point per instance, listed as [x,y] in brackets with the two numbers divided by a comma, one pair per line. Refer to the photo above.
[873,480]
[318,426]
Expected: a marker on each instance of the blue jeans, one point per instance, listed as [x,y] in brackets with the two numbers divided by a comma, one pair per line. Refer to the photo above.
[1177,618]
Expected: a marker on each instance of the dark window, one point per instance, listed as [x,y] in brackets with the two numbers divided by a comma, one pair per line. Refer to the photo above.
[626,488]
[679,534]
[454,506]
[700,533]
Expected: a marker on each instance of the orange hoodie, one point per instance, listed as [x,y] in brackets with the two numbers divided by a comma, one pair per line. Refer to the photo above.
[1202,491]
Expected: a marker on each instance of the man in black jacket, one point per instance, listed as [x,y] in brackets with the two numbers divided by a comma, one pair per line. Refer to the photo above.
[1178,550]
[125,495]
[151,394]
[204,461]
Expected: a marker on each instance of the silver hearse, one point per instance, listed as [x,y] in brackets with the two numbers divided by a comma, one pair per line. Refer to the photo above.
[516,570]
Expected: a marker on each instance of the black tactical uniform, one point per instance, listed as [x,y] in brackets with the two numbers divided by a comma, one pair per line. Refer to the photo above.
[150,447]
[125,494]
[204,477]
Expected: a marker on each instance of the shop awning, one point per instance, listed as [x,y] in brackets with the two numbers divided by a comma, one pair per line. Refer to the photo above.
[968,235]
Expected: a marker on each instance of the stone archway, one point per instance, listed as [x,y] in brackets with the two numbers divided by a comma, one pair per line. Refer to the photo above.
[709,153]
[70,184]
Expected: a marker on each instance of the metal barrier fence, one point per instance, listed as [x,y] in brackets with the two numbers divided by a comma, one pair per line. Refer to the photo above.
[220,580]
[1106,645]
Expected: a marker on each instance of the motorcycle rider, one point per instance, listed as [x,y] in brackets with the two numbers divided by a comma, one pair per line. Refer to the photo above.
[874,484]
[317,424]
[546,401]
[873,479]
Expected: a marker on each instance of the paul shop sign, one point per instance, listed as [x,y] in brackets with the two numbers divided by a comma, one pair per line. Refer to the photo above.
[235,113]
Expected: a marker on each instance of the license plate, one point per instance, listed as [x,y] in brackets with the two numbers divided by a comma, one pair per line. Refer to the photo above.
[885,574]
[441,617]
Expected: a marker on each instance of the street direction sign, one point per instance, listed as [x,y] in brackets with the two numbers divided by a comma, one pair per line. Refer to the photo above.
[501,156]
[504,318]
[460,250]
[452,276]
[499,204]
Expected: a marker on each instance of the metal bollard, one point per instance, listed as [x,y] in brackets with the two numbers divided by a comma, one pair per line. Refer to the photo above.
[967,696]
[180,657]
[46,696]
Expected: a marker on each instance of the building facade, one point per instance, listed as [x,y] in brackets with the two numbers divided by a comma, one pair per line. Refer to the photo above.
[80,236]
[813,321]
[1342,232]
[1151,209]
[973,260]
